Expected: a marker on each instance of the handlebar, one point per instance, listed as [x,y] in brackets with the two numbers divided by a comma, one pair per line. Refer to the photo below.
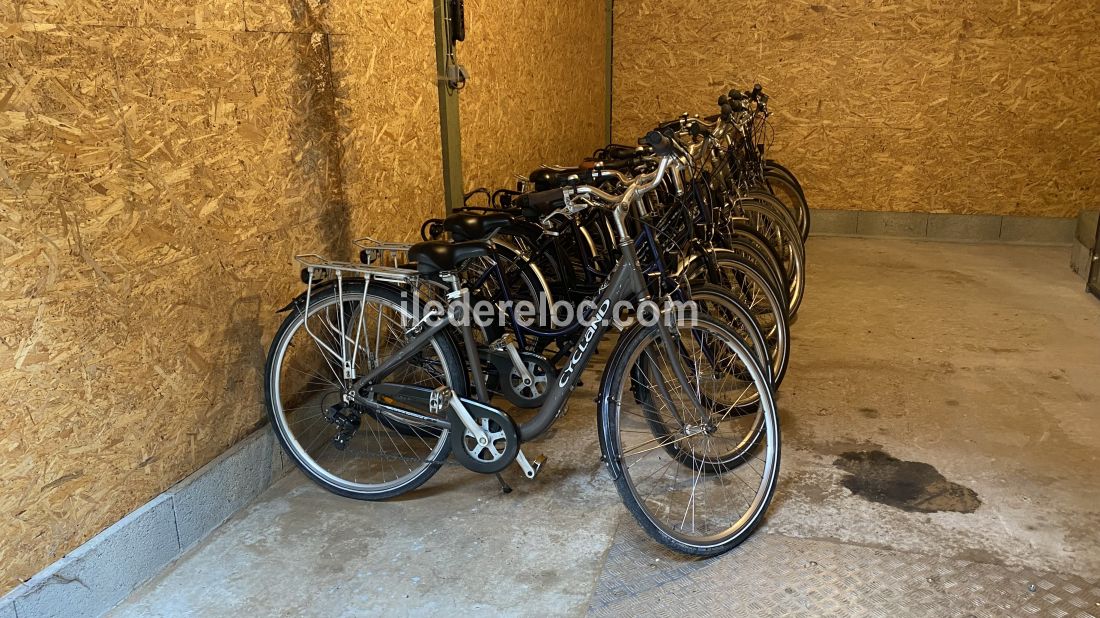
[661,145]
[545,205]
[618,151]
[539,203]
[755,94]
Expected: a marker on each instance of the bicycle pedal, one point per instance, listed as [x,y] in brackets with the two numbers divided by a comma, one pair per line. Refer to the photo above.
[530,468]
[439,400]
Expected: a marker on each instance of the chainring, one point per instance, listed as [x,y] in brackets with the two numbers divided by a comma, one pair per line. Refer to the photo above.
[489,458]
[511,384]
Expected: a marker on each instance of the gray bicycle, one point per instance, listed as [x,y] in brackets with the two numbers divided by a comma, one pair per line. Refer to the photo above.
[370,386]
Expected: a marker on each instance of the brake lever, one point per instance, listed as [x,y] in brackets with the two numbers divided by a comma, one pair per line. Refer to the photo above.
[566,211]
[545,221]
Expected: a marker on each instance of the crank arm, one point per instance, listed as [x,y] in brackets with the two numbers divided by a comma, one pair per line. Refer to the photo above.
[463,415]
[530,468]
[507,343]
[520,366]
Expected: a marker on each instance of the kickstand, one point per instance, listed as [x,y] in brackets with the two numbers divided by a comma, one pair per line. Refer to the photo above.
[504,486]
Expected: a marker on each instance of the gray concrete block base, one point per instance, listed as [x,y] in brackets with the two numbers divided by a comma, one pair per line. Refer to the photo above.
[943,226]
[204,500]
[99,574]
[897,224]
[1080,260]
[1087,222]
[833,222]
[1084,242]
[7,604]
[102,571]
[1039,230]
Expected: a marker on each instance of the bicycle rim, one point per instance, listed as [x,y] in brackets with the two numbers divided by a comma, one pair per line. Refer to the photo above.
[714,492]
[383,457]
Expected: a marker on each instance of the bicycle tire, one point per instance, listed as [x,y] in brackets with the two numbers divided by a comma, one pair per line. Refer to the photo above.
[629,347]
[321,298]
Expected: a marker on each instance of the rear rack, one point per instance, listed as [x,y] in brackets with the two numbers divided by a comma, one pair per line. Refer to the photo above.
[318,268]
[347,345]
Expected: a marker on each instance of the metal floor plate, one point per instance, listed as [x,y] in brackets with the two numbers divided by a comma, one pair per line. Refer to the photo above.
[774,575]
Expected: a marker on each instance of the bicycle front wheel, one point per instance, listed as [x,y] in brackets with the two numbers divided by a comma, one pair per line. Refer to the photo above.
[697,478]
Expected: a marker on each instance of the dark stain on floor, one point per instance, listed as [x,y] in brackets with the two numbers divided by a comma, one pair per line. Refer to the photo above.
[908,485]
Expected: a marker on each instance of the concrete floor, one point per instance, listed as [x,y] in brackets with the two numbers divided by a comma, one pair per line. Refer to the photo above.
[940,424]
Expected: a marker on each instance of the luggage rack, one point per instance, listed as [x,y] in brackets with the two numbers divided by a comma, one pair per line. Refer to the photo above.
[316,269]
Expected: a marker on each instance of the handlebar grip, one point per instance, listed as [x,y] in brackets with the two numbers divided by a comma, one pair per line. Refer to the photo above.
[722,100]
[432,229]
[696,130]
[756,90]
[660,144]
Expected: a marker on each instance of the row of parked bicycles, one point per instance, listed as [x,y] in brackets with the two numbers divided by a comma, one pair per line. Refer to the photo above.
[683,255]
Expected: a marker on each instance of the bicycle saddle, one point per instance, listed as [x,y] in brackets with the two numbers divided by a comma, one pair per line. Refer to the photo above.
[467,226]
[439,255]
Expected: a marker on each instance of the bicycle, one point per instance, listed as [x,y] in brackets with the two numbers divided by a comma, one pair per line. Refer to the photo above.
[694,464]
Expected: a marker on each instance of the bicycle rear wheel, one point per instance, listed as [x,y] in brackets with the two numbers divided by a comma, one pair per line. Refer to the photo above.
[710,492]
[773,222]
[754,292]
[345,447]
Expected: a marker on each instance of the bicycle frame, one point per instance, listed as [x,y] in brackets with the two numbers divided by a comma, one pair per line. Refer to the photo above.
[626,282]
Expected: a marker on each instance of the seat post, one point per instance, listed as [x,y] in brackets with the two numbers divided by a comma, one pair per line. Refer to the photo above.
[467,329]
[451,278]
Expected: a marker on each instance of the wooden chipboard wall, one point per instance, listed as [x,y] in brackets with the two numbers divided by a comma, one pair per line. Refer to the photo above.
[160,163]
[537,87]
[921,105]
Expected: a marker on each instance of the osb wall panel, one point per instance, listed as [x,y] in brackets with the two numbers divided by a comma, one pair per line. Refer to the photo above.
[388,116]
[932,106]
[383,104]
[155,180]
[204,14]
[536,90]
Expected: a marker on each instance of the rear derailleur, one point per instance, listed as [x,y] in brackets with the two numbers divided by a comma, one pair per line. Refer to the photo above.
[346,418]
